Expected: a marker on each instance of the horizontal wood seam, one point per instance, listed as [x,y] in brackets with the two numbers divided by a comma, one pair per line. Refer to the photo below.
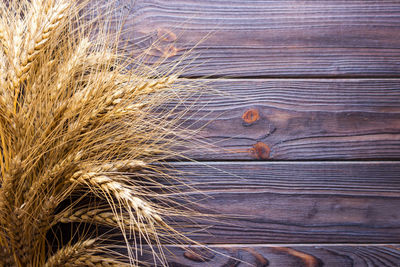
[288,244]
[294,161]
[290,77]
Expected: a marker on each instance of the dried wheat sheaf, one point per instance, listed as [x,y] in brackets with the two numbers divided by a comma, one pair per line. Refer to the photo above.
[82,129]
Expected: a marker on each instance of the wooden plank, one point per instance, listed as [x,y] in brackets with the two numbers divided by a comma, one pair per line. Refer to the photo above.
[298,119]
[293,256]
[331,38]
[297,202]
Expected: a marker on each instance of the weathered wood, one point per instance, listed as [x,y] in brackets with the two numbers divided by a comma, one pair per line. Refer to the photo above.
[298,202]
[298,119]
[271,38]
[293,256]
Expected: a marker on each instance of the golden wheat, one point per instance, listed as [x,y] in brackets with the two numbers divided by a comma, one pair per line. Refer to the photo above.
[122,193]
[100,216]
[35,42]
[70,254]
[3,39]
[95,261]
[81,133]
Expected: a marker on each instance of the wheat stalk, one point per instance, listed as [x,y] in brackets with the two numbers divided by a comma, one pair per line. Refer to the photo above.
[81,136]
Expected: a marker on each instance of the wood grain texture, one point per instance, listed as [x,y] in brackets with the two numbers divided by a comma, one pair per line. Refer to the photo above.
[297,202]
[285,38]
[298,119]
[357,118]
[293,256]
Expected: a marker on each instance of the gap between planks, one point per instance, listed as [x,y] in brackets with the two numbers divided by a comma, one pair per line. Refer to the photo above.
[235,245]
[288,162]
[294,77]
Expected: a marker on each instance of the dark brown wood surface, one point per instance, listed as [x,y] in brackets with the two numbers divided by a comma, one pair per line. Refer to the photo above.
[298,119]
[278,256]
[271,38]
[297,202]
[309,83]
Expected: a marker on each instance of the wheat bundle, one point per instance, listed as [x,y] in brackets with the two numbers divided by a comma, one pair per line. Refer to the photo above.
[80,133]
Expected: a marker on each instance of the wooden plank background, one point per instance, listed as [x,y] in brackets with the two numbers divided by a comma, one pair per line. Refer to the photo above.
[298,202]
[299,119]
[273,38]
[305,135]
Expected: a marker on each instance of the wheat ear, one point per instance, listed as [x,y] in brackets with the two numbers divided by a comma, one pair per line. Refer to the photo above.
[79,124]
[99,216]
[69,254]
[117,166]
[7,260]
[36,46]
[97,261]
[82,254]
[110,187]
[39,186]
[110,101]
[40,39]
[3,39]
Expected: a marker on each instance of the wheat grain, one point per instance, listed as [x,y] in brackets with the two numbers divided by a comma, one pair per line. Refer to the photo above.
[4,39]
[7,259]
[98,261]
[117,166]
[90,215]
[43,221]
[69,254]
[49,178]
[100,216]
[113,99]
[40,38]
[21,251]
[35,46]
[72,65]
[123,194]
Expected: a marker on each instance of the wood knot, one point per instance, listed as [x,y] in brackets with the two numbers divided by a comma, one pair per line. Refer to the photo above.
[166,35]
[167,40]
[161,43]
[199,254]
[250,117]
[309,260]
[260,150]
[169,51]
